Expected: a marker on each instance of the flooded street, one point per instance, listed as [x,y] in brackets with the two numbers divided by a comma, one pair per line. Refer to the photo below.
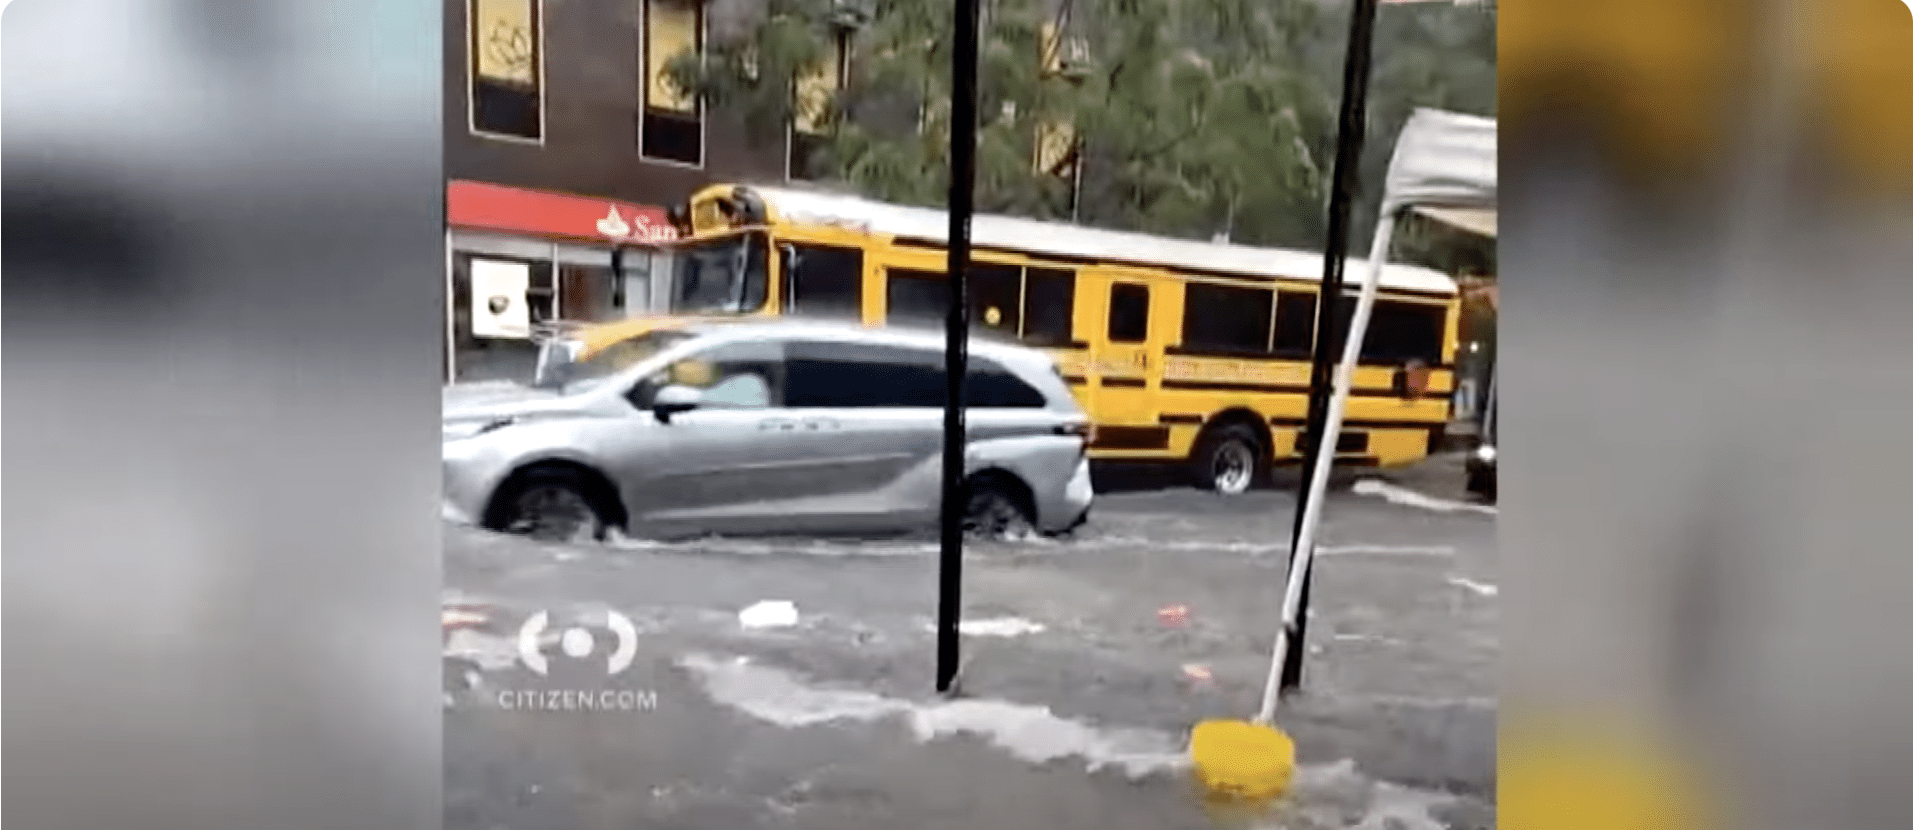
[788,683]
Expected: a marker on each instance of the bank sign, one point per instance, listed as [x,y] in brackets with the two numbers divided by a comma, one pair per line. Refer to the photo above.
[491,207]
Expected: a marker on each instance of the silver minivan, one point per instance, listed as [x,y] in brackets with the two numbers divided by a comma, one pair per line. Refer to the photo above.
[767,428]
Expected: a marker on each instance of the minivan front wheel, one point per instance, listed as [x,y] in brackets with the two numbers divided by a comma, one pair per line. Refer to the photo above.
[993,511]
[552,504]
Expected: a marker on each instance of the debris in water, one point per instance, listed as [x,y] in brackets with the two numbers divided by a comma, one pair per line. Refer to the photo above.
[1173,614]
[1197,672]
[460,617]
[771,613]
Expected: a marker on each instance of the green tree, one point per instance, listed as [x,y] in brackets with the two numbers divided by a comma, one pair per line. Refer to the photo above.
[1434,55]
[891,119]
[1195,117]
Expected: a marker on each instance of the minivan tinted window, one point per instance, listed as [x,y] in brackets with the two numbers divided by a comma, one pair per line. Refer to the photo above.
[855,375]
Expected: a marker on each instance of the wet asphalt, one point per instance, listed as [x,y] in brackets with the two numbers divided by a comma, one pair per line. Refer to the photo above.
[1090,659]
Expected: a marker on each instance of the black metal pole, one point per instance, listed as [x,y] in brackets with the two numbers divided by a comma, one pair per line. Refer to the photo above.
[1350,122]
[963,174]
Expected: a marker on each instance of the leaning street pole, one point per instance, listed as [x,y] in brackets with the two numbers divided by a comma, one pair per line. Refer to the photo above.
[1350,122]
[963,174]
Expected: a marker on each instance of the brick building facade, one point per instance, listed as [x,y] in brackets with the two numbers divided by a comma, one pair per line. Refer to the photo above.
[558,129]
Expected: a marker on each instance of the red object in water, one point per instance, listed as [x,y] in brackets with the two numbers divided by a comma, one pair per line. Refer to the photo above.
[1173,614]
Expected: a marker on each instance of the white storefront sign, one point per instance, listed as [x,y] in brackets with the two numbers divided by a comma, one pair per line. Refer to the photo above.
[499,308]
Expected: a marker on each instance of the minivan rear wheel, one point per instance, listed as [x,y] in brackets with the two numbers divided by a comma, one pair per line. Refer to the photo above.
[993,511]
[552,504]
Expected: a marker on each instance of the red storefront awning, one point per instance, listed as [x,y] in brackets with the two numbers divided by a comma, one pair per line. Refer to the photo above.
[491,207]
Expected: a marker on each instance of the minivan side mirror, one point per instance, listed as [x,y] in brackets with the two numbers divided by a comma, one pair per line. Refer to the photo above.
[674,399]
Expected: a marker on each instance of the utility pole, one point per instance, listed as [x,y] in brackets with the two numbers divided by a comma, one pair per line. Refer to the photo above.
[1350,123]
[963,175]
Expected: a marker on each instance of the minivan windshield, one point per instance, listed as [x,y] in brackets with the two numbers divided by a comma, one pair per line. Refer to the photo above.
[726,275]
[581,375]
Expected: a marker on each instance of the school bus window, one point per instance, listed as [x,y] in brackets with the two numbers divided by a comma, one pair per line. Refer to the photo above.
[1049,306]
[993,291]
[1398,331]
[1226,318]
[1129,313]
[824,280]
[727,274]
[1295,323]
[921,297]
[915,297]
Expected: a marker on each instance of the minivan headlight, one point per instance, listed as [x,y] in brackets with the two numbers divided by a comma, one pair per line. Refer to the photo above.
[1486,452]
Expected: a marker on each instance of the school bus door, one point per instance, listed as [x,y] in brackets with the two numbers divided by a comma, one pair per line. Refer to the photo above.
[1127,351]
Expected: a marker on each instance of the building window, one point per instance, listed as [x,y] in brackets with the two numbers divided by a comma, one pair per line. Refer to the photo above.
[671,124]
[506,73]
[1057,150]
[1226,318]
[1129,313]
[815,93]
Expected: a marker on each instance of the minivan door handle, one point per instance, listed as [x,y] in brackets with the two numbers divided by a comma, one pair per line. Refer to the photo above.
[777,425]
[820,424]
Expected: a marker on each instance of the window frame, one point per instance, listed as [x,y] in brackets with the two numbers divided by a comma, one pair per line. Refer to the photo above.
[841,37]
[1069,338]
[699,111]
[1110,323]
[789,301]
[1308,347]
[472,76]
[1345,314]
[1261,348]
[779,391]
[768,249]
[904,356]
[796,350]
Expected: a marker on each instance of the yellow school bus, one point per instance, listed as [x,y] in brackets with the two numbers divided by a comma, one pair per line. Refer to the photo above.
[1180,351]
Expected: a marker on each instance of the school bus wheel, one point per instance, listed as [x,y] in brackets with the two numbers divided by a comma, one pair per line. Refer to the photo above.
[1231,457]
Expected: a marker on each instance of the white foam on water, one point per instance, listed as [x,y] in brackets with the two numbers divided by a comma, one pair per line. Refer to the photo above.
[1397,494]
[1034,545]
[996,627]
[1261,548]
[1375,639]
[752,547]
[1030,733]
[1386,550]
[491,652]
[1321,796]
[1478,588]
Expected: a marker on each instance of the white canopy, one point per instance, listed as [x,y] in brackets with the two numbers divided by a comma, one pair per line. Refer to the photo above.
[1444,167]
